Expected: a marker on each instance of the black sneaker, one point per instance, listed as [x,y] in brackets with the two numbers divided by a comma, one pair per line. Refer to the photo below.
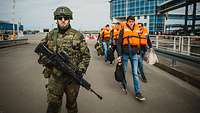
[140,97]
[144,79]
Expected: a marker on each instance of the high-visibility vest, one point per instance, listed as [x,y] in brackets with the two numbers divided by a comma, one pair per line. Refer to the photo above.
[143,36]
[130,36]
[106,34]
[115,33]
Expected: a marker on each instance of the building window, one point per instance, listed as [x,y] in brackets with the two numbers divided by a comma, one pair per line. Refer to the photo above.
[145,24]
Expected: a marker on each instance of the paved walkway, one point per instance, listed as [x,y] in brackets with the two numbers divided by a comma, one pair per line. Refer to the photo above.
[23,91]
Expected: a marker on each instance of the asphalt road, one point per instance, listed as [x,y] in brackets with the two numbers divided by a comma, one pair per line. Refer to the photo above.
[22,87]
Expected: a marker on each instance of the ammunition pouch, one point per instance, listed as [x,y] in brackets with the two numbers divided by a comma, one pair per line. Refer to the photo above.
[47,72]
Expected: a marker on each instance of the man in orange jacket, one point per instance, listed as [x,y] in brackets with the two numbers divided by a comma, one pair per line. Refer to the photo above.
[114,33]
[105,40]
[128,46]
[145,43]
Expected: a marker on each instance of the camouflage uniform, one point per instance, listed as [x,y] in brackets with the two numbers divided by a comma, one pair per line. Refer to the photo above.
[73,43]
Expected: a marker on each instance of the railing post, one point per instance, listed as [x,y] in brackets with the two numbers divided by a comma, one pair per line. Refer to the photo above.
[188,49]
[182,42]
[156,41]
[179,44]
[174,44]
[173,62]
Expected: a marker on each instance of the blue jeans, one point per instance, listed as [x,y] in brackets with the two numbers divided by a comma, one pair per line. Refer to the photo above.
[105,47]
[134,66]
[140,63]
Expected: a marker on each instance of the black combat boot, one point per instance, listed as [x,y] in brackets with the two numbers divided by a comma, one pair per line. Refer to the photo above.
[53,108]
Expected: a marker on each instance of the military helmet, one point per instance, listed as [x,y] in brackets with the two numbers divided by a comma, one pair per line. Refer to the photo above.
[62,11]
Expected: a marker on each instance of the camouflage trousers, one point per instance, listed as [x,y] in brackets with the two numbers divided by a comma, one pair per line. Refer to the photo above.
[55,90]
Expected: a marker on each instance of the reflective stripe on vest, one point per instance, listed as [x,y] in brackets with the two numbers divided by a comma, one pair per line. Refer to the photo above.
[130,35]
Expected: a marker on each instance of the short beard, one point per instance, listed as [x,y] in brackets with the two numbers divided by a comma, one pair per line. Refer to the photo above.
[63,29]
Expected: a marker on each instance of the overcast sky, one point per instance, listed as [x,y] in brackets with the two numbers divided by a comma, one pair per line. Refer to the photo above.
[38,14]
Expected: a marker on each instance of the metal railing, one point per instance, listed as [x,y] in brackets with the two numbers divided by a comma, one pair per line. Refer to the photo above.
[185,49]
[188,45]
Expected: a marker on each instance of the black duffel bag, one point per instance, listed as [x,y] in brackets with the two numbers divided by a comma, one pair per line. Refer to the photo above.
[99,49]
[110,55]
[120,75]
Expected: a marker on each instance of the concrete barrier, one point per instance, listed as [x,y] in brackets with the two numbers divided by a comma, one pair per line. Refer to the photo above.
[8,43]
[180,70]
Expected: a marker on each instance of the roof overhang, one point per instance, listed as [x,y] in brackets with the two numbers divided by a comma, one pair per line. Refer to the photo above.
[173,4]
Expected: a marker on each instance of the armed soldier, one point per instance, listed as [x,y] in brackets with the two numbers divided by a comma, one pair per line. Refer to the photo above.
[66,39]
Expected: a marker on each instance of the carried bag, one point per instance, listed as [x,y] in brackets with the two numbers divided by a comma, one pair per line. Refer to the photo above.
[151,57]
[110,55]
[99,49]
[120,75]
[96,45]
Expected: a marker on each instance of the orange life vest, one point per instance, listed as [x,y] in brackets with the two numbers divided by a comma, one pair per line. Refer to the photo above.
[122,24]
[131,35]
[106,34]
[143,36]
[115,33]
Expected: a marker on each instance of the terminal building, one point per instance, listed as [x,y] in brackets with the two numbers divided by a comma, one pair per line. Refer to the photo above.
[6,29]
[145,12]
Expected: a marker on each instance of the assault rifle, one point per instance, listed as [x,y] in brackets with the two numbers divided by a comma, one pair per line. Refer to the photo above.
[62,62]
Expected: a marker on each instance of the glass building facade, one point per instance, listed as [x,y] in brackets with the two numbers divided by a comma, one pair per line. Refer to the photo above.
[143,10]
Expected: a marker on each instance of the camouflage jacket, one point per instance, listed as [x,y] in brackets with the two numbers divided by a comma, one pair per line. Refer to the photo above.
[73,43]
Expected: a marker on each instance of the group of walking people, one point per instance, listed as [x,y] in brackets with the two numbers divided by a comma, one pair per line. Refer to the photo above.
[130,40]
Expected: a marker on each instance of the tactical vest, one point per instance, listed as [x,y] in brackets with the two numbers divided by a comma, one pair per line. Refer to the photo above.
[67,43]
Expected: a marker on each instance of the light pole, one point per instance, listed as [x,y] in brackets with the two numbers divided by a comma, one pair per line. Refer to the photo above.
[13,17]
[155,16]
[126,3]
